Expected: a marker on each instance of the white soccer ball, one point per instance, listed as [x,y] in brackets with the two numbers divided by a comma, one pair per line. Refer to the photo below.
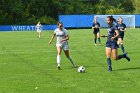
[81,69]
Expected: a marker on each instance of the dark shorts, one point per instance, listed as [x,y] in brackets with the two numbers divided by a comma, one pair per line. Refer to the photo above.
[112,44]
[95,32]
[120,37]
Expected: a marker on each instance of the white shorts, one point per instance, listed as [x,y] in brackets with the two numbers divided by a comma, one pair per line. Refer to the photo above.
[64,46]
[38,30]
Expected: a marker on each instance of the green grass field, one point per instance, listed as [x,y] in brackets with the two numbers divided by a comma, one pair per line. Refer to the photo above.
[28,64]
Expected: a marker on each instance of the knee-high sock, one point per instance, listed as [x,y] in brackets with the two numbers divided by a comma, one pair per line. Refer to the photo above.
[95,40]
[99,40]
[122,47]
[58,60]
[121,56]
[39,36]
[109,62]
[70,58]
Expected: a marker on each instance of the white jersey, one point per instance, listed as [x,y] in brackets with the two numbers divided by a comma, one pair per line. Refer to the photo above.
[38,26]
[61,34]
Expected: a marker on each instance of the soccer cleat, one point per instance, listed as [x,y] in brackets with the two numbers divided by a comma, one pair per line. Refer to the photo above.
[127,57]
[99,44]
[58,67]
[109,68]
[95,44]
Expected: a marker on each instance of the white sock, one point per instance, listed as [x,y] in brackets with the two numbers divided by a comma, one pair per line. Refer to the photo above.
[70,58]
[39,36]
[58,60]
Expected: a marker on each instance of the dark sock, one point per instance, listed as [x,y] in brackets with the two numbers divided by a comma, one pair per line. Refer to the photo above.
[99,40]
[121,56]
[122,47]
[95,40]
[109,62]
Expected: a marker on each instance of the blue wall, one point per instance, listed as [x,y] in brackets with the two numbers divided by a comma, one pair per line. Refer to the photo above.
[137,20]
[25,27]
[78,21]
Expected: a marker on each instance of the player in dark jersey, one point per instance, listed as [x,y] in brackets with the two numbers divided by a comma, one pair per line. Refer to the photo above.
[121,28]
[111,44]
[96,31]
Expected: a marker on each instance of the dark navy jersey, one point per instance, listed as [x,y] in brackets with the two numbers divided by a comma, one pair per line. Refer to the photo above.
[121,27]
[111,32]
[96,25]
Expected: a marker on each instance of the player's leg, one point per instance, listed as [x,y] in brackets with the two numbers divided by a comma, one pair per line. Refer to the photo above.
[108,55]
[69,57]
[121,44]
[114,47]
[66,50]
[95,38]
[59,50]
[117,57]
[123,56]
[39,34]
[114,54]
[98,36]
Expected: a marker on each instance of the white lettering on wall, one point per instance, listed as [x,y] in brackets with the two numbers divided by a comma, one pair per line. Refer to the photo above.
[14,28]
[23,28]
[28,28]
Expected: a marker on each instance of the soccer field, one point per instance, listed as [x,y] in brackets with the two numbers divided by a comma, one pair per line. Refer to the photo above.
[28,64]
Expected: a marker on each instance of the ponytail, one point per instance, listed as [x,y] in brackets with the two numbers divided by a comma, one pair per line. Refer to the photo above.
[112,19]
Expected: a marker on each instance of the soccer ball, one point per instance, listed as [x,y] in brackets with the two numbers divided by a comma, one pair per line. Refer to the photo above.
[81,69]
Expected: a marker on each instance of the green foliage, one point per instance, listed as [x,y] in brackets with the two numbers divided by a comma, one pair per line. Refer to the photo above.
[113,10]
[46,20]
[127,6]
[137,6]
[47,11]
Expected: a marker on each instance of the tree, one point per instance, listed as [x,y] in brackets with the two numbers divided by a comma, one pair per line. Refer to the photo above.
[47,11]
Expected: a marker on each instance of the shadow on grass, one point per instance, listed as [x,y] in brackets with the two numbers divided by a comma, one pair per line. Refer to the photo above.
[128,68]
[70,67]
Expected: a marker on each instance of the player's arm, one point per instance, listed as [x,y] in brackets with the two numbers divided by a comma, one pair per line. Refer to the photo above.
[41,26]
[53,36]
[116,35]
[124,28]
[93,26]
[66,36]
[36,26]
[99,25]
[65,39]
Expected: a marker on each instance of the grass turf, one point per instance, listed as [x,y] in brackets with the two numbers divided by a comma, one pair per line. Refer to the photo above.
[28,64]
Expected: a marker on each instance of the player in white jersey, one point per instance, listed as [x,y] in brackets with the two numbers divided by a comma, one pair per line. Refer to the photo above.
[61,43]
[38,28]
